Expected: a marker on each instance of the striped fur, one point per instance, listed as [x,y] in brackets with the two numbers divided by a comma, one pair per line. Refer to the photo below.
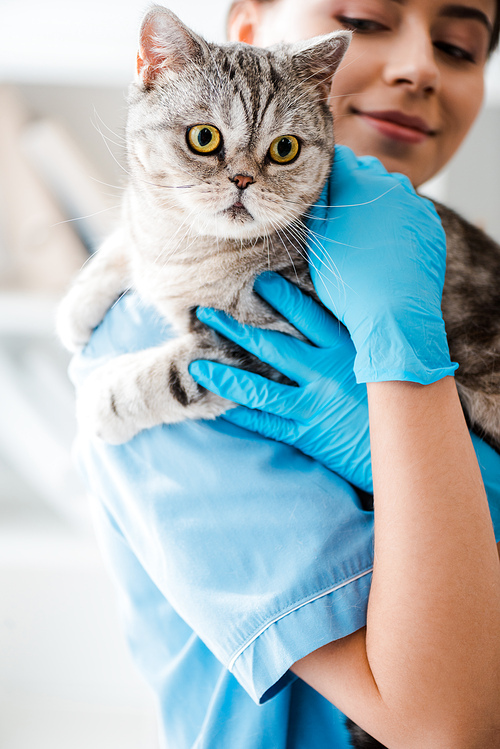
[181,243]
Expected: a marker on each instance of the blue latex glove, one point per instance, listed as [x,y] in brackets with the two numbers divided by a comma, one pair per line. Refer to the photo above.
[489,463]
[326,417]
[377,253]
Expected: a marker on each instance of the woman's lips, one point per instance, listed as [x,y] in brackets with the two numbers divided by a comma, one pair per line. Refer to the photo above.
[398,126]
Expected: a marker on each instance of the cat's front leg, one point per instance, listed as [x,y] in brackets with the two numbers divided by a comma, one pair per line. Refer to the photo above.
[138,391]
[99,284]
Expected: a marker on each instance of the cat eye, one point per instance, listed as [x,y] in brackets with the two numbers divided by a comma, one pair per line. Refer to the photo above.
[204,138]
[284,149]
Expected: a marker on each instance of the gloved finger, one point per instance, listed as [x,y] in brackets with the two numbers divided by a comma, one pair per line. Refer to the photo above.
[305,314]
[245,388]
[268,425]
[283,352]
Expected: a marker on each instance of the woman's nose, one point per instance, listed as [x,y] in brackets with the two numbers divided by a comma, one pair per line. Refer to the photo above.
[412,63]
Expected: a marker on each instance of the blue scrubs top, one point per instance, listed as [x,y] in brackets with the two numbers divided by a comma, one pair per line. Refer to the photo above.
[235,556]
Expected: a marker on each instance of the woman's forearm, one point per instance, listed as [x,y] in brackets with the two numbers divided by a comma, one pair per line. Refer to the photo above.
[433,633]
[426,672]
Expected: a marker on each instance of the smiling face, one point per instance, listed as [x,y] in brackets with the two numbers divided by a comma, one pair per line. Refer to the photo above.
[411,83]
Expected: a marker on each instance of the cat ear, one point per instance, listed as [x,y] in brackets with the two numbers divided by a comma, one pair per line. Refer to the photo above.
[316,60]
[165,45]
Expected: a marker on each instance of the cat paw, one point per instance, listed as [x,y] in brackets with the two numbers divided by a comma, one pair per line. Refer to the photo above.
[110,404]
[72,327]
[141,390]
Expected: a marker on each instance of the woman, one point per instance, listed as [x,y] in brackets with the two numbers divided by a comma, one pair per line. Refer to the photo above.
[259,566]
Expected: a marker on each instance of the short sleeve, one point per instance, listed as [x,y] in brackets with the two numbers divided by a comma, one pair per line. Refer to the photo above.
[262,551]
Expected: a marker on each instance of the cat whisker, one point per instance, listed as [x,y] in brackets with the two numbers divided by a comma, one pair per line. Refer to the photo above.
[174,187]
[106,139]
[117,135]
[278,234]
[348,65]
[268,246]
[106,184]
[321,238]
[82,218]
[114,157]
[148,182]
[298,203]
[355,205]
[343,96]
[311,239]
[318,239]
[321,275]
[160,186]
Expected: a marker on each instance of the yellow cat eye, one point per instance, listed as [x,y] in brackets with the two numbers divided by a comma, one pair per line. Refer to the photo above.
[204,138]
[284,149]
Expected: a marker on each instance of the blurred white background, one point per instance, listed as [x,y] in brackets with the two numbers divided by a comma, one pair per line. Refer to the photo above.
[66,680]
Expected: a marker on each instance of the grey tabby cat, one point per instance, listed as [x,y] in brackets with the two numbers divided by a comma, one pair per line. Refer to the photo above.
[228,146]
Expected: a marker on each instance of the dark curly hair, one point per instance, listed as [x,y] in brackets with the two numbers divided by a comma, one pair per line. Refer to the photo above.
[495,34]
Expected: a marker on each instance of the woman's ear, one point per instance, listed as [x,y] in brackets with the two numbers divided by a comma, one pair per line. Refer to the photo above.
[243,21]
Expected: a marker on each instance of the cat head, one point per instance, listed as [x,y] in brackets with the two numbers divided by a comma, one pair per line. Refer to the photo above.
[236,140]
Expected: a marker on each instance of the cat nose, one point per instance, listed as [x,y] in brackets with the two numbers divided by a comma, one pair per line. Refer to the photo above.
[242,180]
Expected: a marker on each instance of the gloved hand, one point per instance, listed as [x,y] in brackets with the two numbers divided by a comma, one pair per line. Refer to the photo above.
[377,253]
[326,416]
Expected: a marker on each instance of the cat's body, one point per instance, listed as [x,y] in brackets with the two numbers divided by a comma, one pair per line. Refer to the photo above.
[471,311]
[198,227]
[144,389]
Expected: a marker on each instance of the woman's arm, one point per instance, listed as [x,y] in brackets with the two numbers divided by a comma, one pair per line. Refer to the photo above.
[426,671]
[413,428]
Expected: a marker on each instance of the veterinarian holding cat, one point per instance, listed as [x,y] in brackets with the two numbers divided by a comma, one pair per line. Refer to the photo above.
[252,600]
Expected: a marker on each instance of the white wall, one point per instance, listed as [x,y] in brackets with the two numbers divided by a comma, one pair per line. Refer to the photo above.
[85,41]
